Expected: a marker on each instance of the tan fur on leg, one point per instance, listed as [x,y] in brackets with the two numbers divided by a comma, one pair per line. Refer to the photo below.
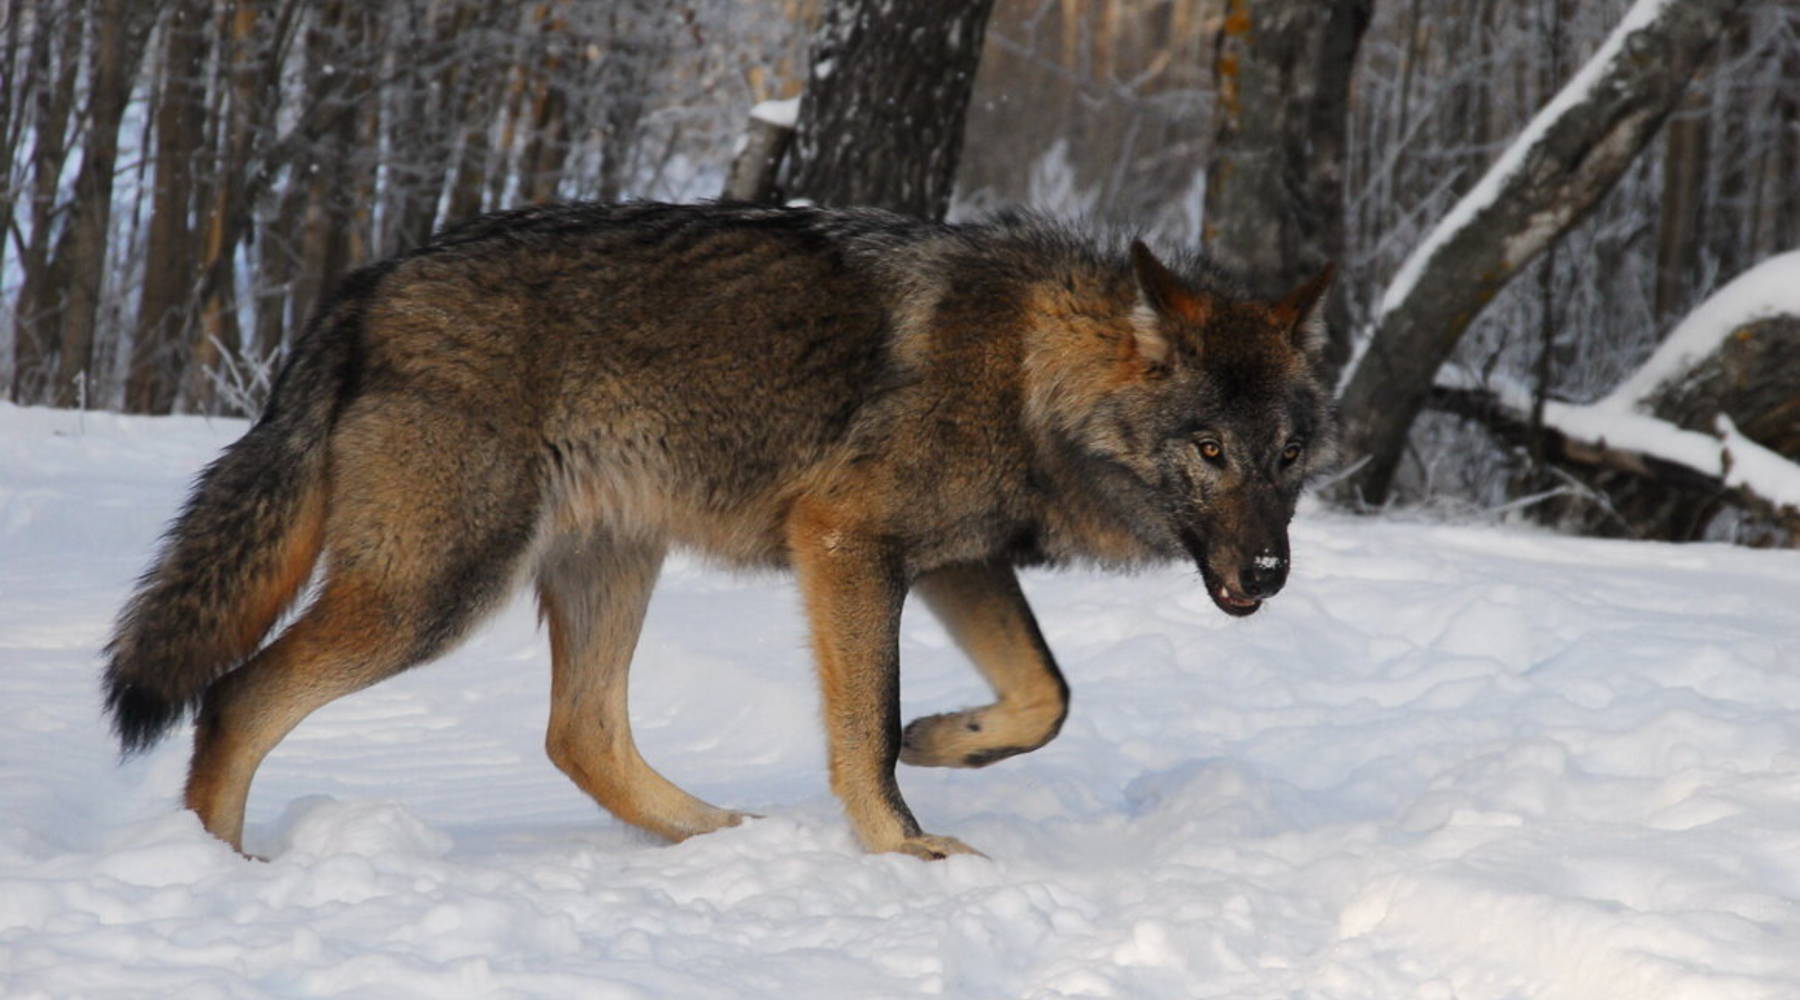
[593,593]
[985,611]
[853,591]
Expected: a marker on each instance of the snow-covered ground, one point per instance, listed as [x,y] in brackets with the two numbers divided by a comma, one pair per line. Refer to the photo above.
[1447,762]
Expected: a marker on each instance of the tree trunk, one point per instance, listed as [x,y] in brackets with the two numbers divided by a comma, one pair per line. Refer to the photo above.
[215,337]
[753,170]
[249,162]
[1275,183]
[55,61]
[547,150]
[155,367]
[1784,220]
[12,89]
[547,142]
[475,117]
[421,143]
[1569,157]
[324,231]
[881,121]
[80,261]
[512,112]
[1684,148]
[635,47]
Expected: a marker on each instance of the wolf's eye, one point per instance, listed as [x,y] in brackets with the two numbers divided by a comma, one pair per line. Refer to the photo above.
[1291,453]
[1210,450]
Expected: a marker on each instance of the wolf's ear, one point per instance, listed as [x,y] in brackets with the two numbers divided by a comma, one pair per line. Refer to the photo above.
[1161,294]
[1302,311]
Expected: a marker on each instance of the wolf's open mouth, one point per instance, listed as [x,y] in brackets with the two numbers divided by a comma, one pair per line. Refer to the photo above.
[1233,603]
[1229,601]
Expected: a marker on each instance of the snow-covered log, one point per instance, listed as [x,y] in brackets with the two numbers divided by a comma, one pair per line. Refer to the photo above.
[1560,165]
[1713,413]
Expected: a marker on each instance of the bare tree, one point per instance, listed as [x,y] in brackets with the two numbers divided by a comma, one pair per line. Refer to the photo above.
[1543,184]
[273,146]
[636,46]
[53,65]
[281,143]
[256,38]
[79,264]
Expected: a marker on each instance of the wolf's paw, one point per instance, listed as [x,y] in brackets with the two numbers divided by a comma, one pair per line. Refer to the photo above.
[700,822]
[731,817]
[973,737]
[930,847]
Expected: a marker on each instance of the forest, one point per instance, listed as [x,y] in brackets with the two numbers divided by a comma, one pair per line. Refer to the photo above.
[1565,231]
[1467,754]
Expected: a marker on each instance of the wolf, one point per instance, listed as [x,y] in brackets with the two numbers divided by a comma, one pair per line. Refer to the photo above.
[877,403]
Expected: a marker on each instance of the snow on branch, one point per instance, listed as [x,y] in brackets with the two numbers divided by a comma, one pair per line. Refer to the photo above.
[1570,154]
[1508,169]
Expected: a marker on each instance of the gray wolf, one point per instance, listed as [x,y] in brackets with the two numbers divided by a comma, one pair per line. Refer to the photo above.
[876,403]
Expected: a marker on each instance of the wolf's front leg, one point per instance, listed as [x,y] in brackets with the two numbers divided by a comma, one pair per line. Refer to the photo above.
[985,611]
[853,584]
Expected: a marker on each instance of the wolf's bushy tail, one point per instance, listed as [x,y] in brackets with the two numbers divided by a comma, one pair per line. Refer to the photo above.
[241,549]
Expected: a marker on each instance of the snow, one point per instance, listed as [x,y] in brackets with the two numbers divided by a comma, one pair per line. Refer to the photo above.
[1578,90]
[782,114]
[1447,762]
[1771,288]
[1749,465]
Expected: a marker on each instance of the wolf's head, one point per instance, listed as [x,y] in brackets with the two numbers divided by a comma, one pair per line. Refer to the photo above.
[1203,418]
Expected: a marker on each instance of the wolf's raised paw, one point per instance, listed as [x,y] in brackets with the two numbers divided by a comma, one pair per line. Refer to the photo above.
[940,740]
[975,737]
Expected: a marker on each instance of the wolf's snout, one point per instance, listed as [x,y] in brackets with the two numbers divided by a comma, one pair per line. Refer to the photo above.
[1264,577]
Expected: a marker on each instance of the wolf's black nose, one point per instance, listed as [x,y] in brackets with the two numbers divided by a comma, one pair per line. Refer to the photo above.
[1263,577]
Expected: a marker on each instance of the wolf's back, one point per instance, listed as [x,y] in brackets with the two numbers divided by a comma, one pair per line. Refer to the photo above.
[244,544]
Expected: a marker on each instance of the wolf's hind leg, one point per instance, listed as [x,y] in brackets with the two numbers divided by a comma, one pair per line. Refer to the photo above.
[592,593]
[985,612]
[428,516]
[347,640]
